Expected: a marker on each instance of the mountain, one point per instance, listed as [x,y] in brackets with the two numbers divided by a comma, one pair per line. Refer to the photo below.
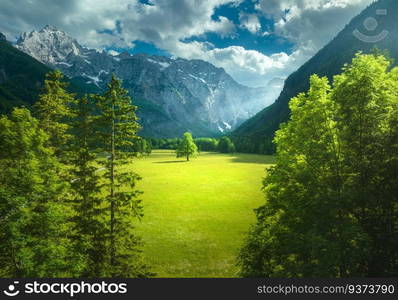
[173,95]
[22,78]
[256,134]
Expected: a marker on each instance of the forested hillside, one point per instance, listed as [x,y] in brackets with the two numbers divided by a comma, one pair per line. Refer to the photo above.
[256,134]
[22,78]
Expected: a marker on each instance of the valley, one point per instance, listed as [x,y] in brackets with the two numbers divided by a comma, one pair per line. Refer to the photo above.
[173,94]
[255,139]
[190,228]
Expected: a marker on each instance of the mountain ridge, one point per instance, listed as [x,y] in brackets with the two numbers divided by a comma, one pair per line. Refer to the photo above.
[22,78]
[174,95]
[256,134]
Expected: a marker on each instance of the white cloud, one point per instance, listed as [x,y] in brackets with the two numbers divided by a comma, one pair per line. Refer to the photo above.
[248,67]
[250,22]
[89,20]
[309,24]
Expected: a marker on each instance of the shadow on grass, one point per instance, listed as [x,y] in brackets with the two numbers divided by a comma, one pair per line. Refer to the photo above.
[170,162]
[254,159]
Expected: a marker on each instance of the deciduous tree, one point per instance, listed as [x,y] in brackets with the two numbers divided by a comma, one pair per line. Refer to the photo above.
[187,147]
[331,208]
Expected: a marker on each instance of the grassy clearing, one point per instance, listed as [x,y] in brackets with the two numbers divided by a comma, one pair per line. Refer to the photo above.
[197,213]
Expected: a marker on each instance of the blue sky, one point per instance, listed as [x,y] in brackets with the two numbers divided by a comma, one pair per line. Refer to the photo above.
[253,40]
[263,40]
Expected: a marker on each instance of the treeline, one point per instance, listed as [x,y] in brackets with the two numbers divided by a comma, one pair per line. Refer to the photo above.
[249,145]
[222,145]
[331,205]
[67,207]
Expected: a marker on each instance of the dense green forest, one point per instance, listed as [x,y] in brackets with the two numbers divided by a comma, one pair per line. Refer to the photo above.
[67,207]
[222,145]
[331,205]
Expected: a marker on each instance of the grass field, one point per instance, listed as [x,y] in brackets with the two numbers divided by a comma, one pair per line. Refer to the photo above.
[197,212]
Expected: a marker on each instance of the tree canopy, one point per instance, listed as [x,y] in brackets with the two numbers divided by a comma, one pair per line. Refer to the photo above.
[187,147]
[225,145]
[332,198]
[67,203]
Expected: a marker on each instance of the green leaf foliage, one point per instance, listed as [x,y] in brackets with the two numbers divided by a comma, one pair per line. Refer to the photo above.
[116,131]
[225,145]
[206,144]
[89,231]
[331,208]
[256,134]
[34,215]
[187,147]
[53,110]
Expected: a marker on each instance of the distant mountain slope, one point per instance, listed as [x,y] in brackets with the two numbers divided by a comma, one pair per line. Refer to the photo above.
[173,95]
[256,134]
[22,78]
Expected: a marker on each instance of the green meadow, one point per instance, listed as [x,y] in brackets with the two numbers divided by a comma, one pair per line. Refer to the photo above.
[197,213]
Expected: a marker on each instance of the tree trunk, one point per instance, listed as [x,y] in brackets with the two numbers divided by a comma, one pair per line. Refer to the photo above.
[187,157]
[112,175]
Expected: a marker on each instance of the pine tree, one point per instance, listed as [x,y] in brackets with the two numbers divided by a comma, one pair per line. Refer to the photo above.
[34,217]
[53,111]
[117,132]
[187,147]
[89,230]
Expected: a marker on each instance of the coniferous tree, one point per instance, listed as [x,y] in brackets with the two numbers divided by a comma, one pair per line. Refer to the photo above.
[117,128]
[53,111]
[34,217]
[187,147]
[89,220]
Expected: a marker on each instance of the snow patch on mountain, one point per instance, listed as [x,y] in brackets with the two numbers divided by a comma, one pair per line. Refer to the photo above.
[65,64]
[163,65]
[184,92]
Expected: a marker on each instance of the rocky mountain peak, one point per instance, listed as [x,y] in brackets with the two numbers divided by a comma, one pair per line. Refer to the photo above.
[124,55]
[50,28]
[176,95]
[2,37]
[49,45]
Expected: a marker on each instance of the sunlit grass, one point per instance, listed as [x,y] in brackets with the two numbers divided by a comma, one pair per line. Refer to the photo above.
[197,212]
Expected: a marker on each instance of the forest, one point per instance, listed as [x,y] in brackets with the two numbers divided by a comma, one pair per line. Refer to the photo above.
[71,206]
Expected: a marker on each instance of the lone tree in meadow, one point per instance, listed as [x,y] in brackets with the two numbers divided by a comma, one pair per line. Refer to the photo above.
[187,147]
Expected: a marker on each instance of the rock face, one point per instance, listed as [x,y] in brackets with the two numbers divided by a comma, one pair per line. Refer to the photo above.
[173,95]
[2,37]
